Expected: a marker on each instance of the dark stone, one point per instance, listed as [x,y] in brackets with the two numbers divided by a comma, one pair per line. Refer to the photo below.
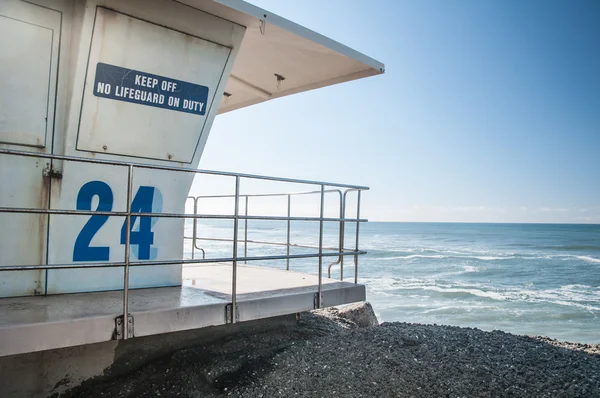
[326,355]
[361,314]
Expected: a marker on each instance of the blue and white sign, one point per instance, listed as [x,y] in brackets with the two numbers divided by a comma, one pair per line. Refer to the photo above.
[144,88]
[101,238]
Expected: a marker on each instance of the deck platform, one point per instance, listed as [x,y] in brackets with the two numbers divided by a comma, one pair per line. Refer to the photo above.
[29,324]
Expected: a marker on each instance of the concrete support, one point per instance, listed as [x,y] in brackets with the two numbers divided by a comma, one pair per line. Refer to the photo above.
[43,373]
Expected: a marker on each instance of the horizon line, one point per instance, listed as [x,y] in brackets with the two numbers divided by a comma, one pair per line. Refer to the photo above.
[485,222]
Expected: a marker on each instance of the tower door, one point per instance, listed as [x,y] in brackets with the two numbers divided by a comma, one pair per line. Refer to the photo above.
[29,44]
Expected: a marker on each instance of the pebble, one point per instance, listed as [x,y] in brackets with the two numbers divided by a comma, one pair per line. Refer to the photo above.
[393,359]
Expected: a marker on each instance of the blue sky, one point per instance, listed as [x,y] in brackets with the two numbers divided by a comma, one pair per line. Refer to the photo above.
[489,111]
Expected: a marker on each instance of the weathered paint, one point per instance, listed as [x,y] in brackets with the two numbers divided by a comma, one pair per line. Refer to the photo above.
[159,37]
[23,236]
[28,64]
[29,56]
[143,48]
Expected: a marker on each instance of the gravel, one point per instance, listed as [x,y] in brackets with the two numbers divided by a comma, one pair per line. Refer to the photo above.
[327,355]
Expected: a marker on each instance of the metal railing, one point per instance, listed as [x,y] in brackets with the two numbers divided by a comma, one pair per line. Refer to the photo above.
[288,244]
[234,259]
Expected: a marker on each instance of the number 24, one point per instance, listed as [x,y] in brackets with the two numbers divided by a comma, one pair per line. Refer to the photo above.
[143,237]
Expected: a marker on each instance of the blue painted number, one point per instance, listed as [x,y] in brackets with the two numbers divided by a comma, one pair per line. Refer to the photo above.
[82,250]
[143,237]
[146,200]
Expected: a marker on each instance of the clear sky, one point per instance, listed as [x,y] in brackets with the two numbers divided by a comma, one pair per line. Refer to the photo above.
[489,111]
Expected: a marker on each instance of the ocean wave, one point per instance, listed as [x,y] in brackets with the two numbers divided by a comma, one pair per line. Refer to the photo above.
[552,297]
[557,247]
[467,269]
[500,296]
[446,256]
[576,305]
[383,284]
[377,252]
[412,254]
[589,259]
[565,257]
[489,258]
[576,287]
[465,308]
[574,295]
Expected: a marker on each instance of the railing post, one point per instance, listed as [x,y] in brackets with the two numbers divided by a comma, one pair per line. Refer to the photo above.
[357,234]
[322,212]
[289,207]
[340,259]
[246,232]
[235,248]
[195,226]
[127,247]
[342,232]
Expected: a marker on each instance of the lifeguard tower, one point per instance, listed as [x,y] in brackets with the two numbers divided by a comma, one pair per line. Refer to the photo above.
[105,109]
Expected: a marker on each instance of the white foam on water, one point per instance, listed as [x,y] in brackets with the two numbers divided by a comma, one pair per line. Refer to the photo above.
[563,257]
[589,259]
[574,295]
[467,269]
[489,258]
[465,308]
[422,256]
[444,256]
[590,308]
[474,292]
[576,286]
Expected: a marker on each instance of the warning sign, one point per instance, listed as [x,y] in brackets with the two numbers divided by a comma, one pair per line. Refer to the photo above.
[144,88]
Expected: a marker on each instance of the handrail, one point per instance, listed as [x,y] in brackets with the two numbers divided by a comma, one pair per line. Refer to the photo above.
[194,243]
[257,195]
[167,215]
[340,252]
[342,221]
[180,169]
[28,267]
[357,236]
[288,194]
[289,219]
[343,234]
[265,243]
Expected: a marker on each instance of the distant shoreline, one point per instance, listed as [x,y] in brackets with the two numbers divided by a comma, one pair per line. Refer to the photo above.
[486,223]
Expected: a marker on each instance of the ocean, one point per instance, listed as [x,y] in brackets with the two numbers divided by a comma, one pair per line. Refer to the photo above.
[534,279]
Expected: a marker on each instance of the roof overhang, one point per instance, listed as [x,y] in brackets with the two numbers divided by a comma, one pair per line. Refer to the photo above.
[274,46]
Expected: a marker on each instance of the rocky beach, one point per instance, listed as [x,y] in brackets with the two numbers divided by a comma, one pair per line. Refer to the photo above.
[347,353]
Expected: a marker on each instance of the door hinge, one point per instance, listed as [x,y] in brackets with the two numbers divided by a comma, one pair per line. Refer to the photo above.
[51,173]
[228,315]
[120,327]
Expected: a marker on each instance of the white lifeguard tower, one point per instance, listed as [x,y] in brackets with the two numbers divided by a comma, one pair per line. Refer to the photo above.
[105,109]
